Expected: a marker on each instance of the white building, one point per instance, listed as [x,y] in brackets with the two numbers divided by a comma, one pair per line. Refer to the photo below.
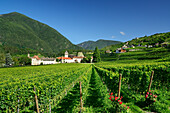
[72,59]
[38,61]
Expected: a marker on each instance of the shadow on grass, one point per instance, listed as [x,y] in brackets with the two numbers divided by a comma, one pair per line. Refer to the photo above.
[69,102]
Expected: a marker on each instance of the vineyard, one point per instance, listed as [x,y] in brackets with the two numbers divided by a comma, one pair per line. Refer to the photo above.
[87,88]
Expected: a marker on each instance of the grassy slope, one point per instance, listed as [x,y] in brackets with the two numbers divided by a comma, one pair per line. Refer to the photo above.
[146,55]
[151,40]
[146,40]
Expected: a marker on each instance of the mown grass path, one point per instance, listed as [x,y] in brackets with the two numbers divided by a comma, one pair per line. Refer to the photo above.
[97,97]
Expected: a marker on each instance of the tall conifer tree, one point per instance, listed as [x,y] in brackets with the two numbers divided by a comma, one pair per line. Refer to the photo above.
[8,60]
[96,55]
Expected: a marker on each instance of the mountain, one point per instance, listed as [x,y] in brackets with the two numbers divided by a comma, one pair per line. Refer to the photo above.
[99,43]
[20,34]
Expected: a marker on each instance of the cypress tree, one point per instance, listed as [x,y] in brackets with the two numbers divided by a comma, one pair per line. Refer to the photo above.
[96,55]
[8,60]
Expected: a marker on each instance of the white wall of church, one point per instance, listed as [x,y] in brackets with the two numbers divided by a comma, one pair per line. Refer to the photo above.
[69,61]
[77,59]
[48,62]
[35,61]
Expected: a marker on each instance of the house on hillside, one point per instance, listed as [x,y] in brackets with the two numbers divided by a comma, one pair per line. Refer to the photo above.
[124,46]
[108,51]
[150,46]
[120,50]
[157,44]
[139,45]
[165,44]
[38,61]
[72,58]
[132,46]
[130,50]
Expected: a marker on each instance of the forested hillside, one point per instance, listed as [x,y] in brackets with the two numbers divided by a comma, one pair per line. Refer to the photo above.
[20,34]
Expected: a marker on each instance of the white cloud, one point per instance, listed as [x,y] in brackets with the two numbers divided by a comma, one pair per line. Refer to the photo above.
[113,37]
[122,33]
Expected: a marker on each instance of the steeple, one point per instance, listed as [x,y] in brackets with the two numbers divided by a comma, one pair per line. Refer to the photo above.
[66,54]
[28,55]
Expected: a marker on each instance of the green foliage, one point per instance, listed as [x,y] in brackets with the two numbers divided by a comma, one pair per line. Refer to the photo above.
[17,85]
[86,60]
[146,54]
[2,57]
[58,85]
[96,55]
[21,61]
[146,40]
[135,80]
[35,36]
[8,60]
[25,61]
[112,47]
[151,40]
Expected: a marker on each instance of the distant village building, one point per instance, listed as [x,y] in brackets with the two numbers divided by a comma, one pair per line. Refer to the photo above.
[127,43]
[132,46]
[150,46]
[38,61]
[157,44]
[124,46]
[120,50]
[72,58]
[139,45]
[165,44]
[80,54]
[130,50]
[108,51]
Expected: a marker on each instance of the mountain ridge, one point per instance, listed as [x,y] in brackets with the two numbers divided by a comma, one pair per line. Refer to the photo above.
[101,43]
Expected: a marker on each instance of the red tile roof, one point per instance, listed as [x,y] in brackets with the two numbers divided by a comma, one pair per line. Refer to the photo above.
[77,57]
[36,57]
[64,58]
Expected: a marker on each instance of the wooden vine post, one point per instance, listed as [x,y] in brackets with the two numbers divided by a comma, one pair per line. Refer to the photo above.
[36,100]
[120,77]
[81,102]
[150,81]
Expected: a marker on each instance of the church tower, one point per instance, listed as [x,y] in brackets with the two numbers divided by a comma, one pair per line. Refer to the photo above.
[28,55]
[66,54]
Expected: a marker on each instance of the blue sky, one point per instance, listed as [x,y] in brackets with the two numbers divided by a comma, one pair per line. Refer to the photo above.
[83,20]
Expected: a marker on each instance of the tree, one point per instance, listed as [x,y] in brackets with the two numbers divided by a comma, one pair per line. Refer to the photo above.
[8,60]
[16,62]
[96,55]
[24,60]
[86,60]
[2,59]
